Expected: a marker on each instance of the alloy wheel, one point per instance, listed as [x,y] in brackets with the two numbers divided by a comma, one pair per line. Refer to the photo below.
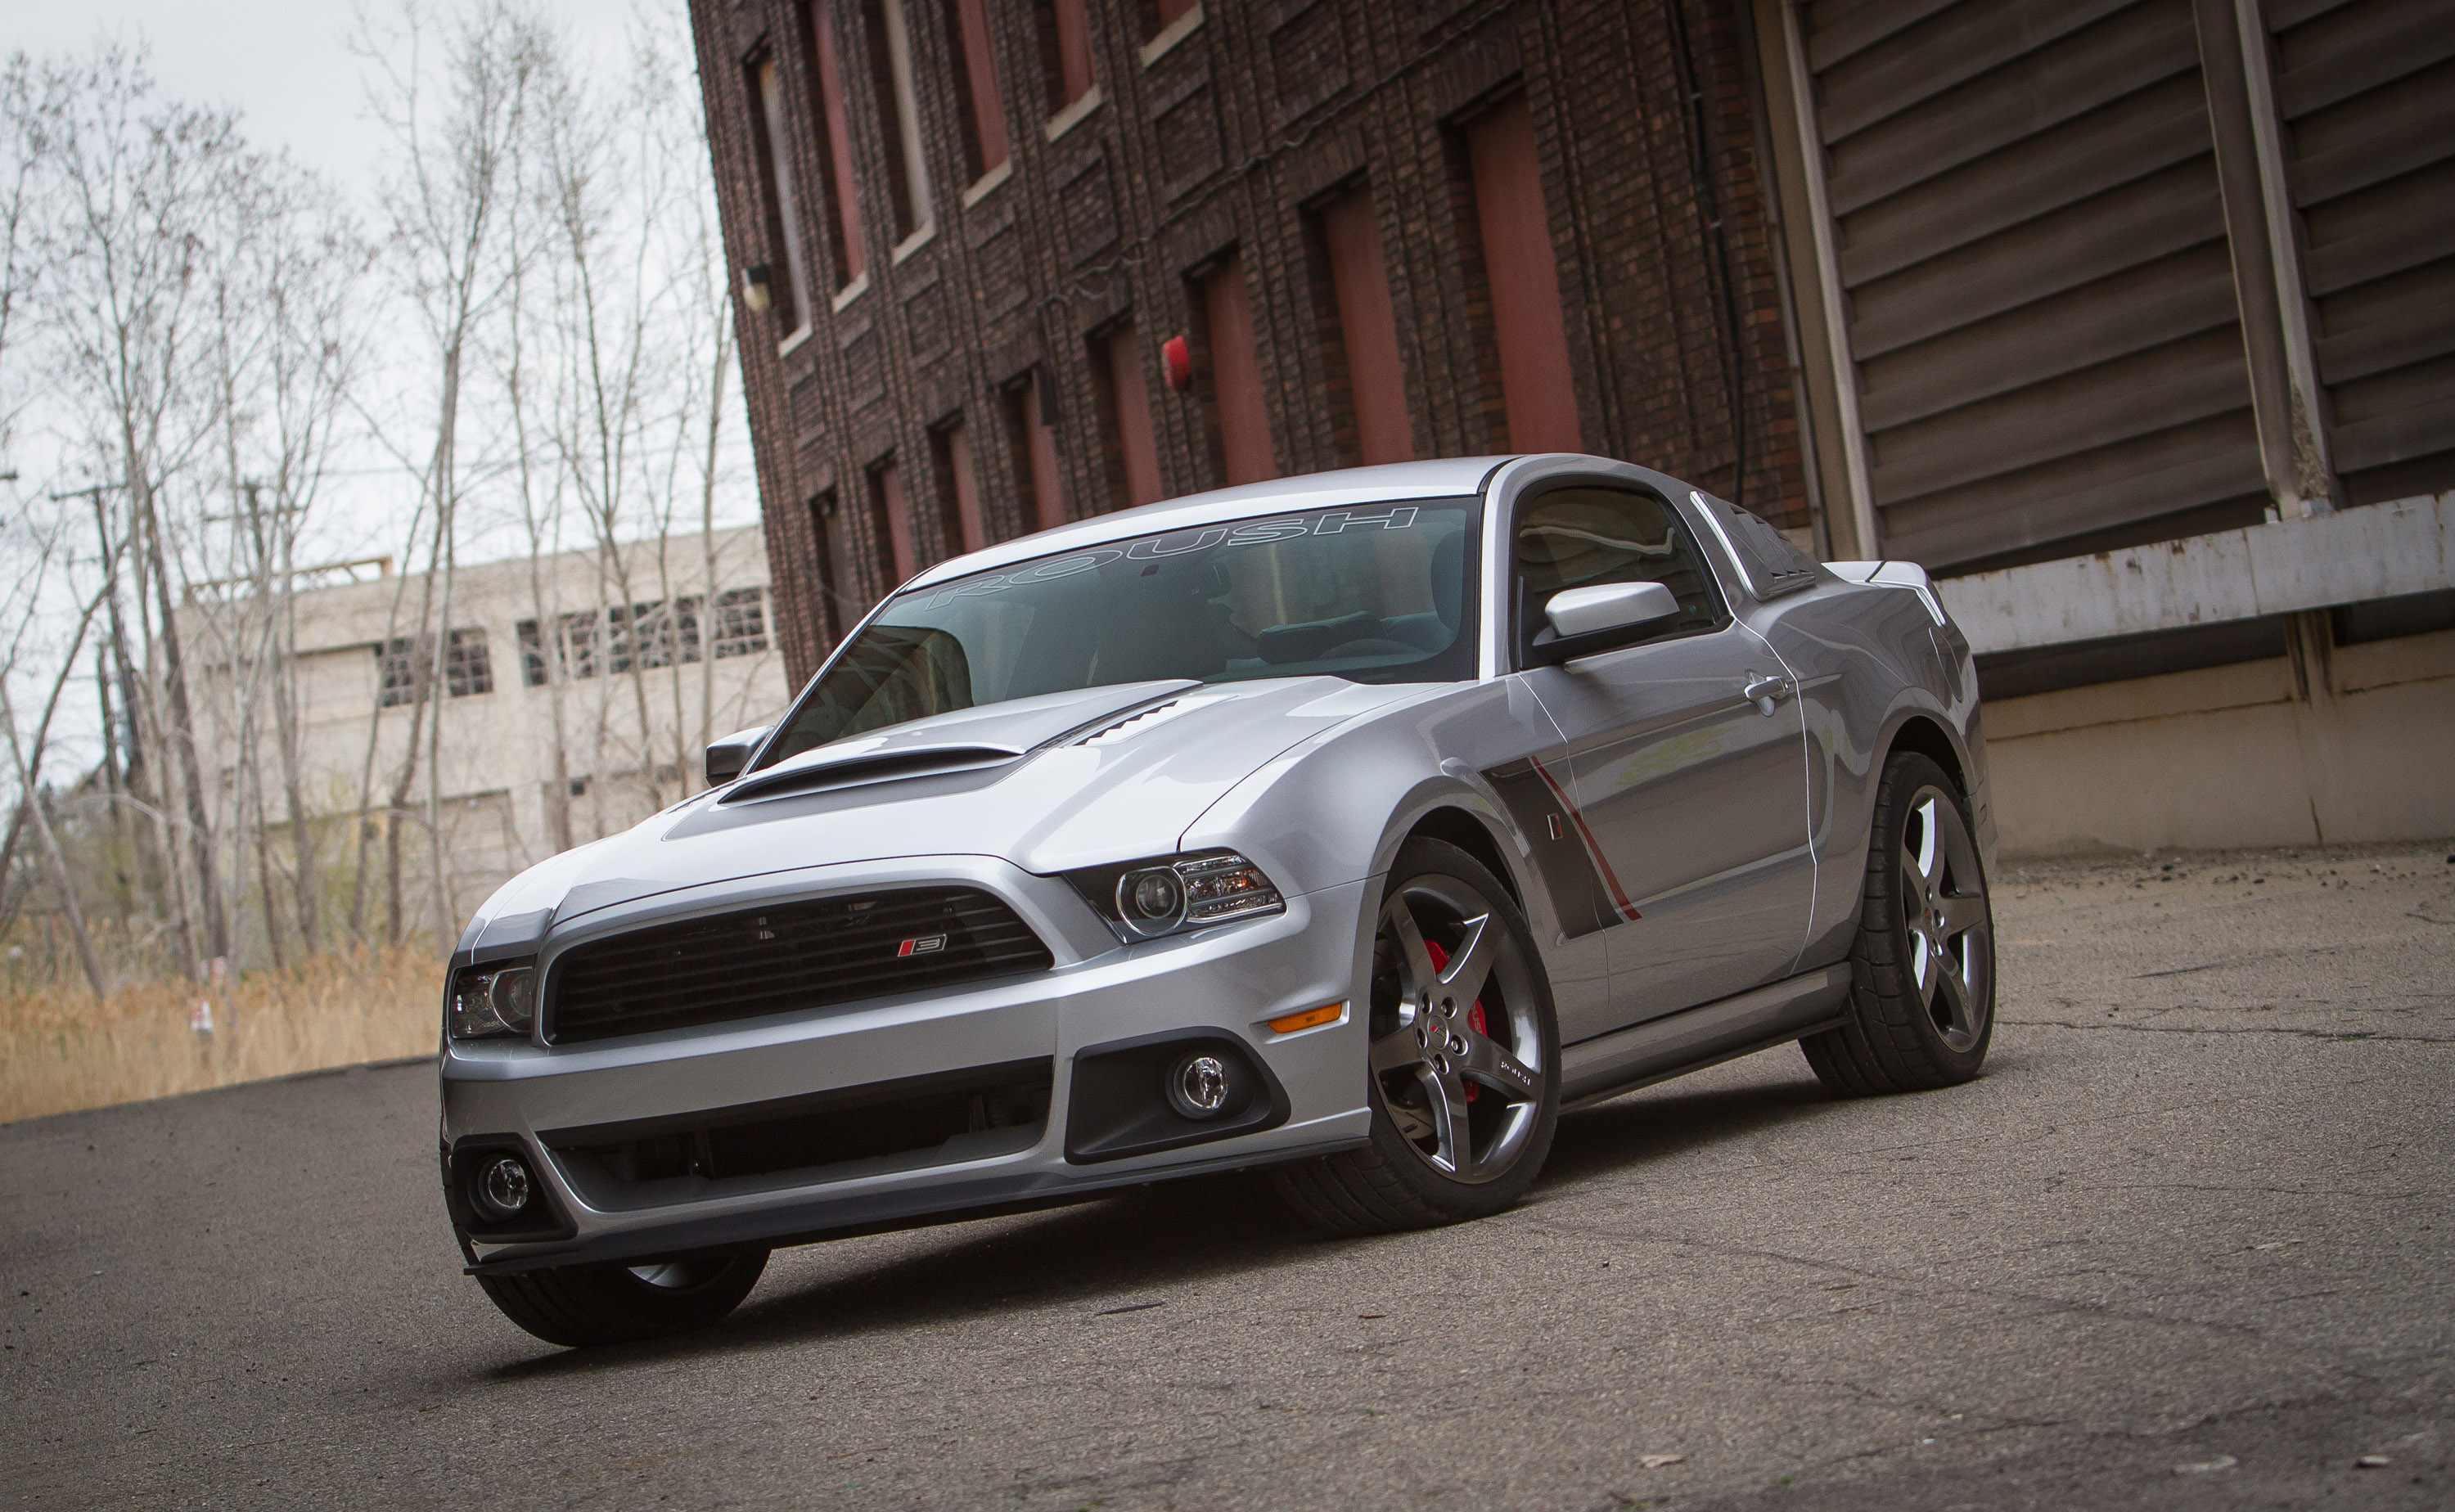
[1944,909]
[1458,1043]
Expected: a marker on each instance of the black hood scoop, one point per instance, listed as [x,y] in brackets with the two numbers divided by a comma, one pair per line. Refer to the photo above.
[895,765]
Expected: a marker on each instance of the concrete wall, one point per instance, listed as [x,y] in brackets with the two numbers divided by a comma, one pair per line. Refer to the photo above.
[2329,744]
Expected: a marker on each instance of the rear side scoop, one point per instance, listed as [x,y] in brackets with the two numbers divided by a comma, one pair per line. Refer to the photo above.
[857,769]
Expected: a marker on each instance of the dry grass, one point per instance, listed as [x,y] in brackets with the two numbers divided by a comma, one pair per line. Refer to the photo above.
[60,1049]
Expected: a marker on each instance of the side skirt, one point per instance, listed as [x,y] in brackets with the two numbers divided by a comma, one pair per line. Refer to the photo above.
[1707,1034]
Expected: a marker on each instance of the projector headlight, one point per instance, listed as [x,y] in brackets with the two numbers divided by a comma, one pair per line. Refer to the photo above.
[1147,899]
[493,1001]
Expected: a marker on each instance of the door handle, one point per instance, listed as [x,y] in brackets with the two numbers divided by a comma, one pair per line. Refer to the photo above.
[1765,692]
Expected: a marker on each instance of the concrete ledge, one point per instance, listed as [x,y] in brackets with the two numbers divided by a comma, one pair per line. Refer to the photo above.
[2379,551]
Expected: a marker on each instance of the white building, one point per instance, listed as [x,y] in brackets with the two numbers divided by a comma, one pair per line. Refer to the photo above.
[579,692]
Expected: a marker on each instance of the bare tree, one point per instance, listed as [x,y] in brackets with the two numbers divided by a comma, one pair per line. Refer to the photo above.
[454,118]
[136,178]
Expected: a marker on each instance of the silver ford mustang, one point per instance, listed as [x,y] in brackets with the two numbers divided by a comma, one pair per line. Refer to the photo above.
[1350,826]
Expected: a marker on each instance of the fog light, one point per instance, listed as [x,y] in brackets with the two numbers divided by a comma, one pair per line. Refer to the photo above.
[1198,1087]
[501,1190]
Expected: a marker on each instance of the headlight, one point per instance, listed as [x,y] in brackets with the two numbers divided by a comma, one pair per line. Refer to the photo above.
[491,1001]
[1147,899]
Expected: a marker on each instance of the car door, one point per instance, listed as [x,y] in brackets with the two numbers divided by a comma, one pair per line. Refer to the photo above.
[1685,754]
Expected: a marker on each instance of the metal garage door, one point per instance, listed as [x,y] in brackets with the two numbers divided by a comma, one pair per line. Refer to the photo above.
[2030,247]
[2366,89]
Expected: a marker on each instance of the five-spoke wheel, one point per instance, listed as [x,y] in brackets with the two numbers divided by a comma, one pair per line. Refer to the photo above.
[1922,1004]
[1462,1057]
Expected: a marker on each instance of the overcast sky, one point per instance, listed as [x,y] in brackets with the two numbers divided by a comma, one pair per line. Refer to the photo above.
[285,63]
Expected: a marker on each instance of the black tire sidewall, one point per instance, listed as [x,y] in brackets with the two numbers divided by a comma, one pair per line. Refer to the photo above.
[1459,1200]
[1905,774]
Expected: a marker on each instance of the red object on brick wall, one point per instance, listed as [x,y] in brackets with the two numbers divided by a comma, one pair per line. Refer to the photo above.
[1176,354]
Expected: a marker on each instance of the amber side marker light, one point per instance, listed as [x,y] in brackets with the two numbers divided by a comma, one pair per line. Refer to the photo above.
[1309,1019]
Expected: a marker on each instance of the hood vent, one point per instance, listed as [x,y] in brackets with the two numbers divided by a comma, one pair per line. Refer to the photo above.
[877,766]
[1143,720]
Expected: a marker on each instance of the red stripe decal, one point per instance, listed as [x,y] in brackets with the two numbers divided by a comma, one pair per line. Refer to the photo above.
[1593,852]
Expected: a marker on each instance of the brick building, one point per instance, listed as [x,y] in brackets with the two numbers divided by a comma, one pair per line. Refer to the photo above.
[2058,298]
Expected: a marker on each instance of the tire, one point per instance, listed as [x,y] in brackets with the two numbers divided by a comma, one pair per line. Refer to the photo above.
[583,1305]
[1922,969]
[1440,1152]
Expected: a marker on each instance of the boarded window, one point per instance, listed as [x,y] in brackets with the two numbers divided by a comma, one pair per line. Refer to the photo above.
[791,291]
[960,526]
[1367,376]
[979,102]
[828,580]
[1128,440]
[1527,329]
[1239,419]
[1065,35]
[843,221]
[899,116]
[890,527]
[1029,408]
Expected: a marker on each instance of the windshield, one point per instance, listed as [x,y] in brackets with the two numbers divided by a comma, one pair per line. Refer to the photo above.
[1371,593]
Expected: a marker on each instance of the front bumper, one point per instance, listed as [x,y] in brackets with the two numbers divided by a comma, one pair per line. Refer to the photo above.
[1225,982]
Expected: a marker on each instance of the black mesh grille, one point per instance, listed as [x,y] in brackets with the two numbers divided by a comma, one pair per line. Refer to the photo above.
[785,956]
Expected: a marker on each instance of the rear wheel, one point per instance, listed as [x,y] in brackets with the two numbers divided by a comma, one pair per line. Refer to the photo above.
[1922,989]
[579,1306]
[1463,1064]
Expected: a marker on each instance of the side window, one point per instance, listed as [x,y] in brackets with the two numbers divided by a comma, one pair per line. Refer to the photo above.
[1574,537]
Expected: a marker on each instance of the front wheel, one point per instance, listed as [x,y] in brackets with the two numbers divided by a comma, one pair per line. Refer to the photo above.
[1463,1060]
[579,1306]
[1923,972]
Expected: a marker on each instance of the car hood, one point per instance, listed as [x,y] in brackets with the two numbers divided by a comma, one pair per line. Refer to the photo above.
[1050,783]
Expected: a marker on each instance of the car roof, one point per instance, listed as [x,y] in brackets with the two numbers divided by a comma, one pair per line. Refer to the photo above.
[1443,477]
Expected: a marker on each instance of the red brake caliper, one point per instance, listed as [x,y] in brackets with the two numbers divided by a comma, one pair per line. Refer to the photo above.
[1473,1015]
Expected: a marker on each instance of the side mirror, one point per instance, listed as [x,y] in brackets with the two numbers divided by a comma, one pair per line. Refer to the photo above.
[1607,606]
[726,757]
[1585,620]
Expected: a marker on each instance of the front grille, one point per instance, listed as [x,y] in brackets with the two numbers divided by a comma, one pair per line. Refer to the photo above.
[785,956]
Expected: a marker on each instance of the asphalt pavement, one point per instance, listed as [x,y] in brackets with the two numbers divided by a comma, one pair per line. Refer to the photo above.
[2185,1244]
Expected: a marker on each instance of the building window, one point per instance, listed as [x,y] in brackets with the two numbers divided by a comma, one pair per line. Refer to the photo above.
[1158,15]
[1064,50]
[960,526]
[1360,335]
[890,527]
[403,669]
[828,579]
[740,622]
[533,669]
[843,198]
[407,663]
[979,104]
[466,669]
[1029,411]
[1237,415]
[1127,437]
[652,636]
[898,110]
[791,295]
[1513,231]
[581,639]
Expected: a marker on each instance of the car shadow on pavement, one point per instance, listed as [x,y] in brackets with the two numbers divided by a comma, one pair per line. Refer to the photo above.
[1135,1249]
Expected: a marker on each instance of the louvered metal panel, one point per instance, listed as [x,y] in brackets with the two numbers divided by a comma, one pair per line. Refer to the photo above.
[2367,91]
[783,957]
[2030,241]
